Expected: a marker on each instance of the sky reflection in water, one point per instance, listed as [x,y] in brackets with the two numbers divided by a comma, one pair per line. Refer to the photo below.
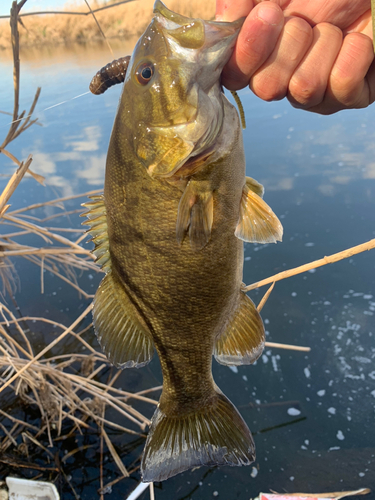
[319,177]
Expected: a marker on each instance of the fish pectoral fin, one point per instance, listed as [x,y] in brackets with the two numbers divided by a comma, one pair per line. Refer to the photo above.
[257,223]
[122,334]
[255,186]
[216,434]
[195,213]
[242,342]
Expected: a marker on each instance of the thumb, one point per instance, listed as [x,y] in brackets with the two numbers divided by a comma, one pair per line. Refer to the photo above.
[255,43]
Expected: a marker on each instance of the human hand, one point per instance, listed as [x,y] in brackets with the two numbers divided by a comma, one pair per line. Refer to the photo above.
[317,54]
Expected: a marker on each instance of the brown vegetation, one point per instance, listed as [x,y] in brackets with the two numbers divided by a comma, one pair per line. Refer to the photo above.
[65,387]
[125,20]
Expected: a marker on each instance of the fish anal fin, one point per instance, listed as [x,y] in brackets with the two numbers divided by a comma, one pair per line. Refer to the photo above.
[243,340]
[215,435]
[122,334]
[257,223]
[195,213]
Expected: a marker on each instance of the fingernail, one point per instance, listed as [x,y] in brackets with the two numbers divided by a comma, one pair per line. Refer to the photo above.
[269,13]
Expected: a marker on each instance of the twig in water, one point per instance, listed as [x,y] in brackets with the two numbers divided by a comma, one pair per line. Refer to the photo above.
[114,454]
[369,245]
[48,347]
[273,344]
[12,184]
[138,491]
[152,492]
[265,298]
[288,346]
[15,128]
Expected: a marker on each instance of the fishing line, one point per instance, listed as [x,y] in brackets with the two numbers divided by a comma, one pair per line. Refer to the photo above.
[49,107]
[63,102]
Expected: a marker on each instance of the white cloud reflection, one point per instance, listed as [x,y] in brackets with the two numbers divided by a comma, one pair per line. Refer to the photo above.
[94,171]
[90,140]
[43,163]
[338,150]
[67,169]
[283,184]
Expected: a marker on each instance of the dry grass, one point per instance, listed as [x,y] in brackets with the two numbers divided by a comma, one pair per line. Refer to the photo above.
[65,387]
[57,254]
[123,21]
[52,384]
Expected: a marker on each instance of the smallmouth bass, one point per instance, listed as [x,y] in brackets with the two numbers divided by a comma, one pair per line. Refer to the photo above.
[169,234]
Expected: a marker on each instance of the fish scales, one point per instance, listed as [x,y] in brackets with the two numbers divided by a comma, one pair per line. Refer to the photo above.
[176,209]
[176,289]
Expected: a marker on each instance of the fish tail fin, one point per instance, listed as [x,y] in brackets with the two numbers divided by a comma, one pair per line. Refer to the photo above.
[214,435]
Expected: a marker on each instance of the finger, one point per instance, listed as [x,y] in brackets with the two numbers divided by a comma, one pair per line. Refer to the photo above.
[309,82]
[341,13]
[271,80]
[231,10]
[255,43]
[351,85]
[361,25]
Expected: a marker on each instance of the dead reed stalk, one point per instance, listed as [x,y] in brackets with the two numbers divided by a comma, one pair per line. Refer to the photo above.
[52,382]
[369,245]
[126,19]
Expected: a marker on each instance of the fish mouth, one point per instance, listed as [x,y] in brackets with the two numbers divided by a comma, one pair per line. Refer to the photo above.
[199,50]
[192,31]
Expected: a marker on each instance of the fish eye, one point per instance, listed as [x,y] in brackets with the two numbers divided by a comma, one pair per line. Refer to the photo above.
[144,73]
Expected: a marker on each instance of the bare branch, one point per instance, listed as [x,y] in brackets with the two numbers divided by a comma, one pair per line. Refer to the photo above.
[70,13]
[369,245]
[13,183]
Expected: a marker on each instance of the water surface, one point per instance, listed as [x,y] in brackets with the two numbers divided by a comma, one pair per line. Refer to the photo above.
[312,414]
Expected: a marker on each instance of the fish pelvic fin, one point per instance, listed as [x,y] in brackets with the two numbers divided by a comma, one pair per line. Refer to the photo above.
[122,334]
[257,223]
[195,214]
[215,435]
[97,222]
[243,340]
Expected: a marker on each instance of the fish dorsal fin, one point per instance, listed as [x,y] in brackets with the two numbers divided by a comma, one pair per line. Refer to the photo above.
[122,334]
[97,222]
[242,342]
[195,213]
[258,223]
